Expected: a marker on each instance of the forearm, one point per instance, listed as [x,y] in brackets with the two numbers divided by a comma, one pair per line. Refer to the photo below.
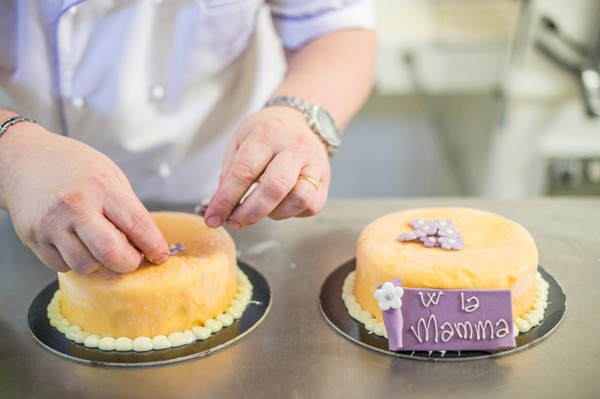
[5,114]
[8,146]
[334,71]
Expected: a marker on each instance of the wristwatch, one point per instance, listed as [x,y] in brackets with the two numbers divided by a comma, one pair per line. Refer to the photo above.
[318,119]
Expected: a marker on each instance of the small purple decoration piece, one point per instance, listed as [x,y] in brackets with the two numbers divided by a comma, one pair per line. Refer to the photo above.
[419,233]
[176,248]
[201,208]
[430,241]
[408,236]
[434,233]
[444,223]
[430,228]
[417,223]
[449,320]
[451,242]
[448,232]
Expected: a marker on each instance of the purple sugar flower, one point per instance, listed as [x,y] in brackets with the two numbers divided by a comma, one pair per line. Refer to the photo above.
[455,242]
[419,233]
[408,236]
[430,229]
[201,208]
[430,241]
[176,248]
[417,223]
[444,223]
[448,232]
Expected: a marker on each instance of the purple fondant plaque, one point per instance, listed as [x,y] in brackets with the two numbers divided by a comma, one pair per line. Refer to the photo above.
[447,320]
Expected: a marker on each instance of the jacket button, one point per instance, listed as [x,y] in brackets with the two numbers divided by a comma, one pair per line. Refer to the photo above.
[78,102]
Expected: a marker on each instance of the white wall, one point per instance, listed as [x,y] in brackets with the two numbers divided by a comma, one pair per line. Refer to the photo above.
[480,112]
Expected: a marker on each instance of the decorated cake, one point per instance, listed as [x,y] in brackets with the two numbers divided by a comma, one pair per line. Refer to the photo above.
[197,292]
[446,279]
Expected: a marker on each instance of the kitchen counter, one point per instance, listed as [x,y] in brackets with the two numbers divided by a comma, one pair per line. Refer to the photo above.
[295,353]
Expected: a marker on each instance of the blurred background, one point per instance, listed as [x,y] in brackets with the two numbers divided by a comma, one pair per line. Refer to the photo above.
[497,98]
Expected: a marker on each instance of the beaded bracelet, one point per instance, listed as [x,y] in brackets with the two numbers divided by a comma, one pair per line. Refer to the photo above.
[15,119]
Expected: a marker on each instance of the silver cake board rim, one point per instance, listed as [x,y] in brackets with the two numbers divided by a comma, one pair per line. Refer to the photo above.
[55,342]
[335,313]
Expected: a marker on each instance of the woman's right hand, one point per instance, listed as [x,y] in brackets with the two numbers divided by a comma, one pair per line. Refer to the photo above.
[72,206]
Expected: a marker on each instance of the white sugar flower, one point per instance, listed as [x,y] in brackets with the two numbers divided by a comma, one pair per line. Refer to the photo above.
[389,296]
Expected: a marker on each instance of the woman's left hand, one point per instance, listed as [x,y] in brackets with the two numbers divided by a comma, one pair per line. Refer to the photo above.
[275,148]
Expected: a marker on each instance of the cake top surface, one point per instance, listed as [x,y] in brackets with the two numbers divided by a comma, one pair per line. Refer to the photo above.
[202,245]
[496,251]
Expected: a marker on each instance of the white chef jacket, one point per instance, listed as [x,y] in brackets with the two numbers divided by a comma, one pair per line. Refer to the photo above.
[157,85]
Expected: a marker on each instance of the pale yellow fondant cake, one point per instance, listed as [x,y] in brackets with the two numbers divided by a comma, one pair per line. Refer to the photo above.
[497,253]
[194,286]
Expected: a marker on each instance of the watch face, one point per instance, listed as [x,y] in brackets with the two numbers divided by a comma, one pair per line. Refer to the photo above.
[326,127]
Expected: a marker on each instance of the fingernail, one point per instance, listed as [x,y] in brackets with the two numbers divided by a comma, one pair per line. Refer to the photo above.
[162,258]
[213,221]
[232,223]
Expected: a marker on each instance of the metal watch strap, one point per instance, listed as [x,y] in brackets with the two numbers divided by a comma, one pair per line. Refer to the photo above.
[305,108]
[293,102]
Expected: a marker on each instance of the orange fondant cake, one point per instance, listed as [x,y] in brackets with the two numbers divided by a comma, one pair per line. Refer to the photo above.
[496,254]
[191,287]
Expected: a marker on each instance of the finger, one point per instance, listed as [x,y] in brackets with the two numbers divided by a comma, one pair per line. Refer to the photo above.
[322,194]
[247,165]
[274,185]
[128,215]
[302,197]
[50,256]
[317,205]
[232,148]
[107,244]
[75,253]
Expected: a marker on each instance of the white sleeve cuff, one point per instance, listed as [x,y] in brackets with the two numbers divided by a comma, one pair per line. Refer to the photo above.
[296,30]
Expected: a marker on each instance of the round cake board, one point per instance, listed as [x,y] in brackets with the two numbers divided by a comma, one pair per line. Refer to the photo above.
[336,314]
[51,339]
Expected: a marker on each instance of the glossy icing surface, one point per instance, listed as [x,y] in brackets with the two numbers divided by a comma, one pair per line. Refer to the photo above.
[186,291]
[497,254]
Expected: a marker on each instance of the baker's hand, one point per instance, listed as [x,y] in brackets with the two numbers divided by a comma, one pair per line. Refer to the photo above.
[72,206]
[273,147]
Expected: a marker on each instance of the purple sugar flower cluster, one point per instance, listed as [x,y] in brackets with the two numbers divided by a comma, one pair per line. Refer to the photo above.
[434,233]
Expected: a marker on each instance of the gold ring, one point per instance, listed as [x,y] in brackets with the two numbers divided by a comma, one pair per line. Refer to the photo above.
[310,180]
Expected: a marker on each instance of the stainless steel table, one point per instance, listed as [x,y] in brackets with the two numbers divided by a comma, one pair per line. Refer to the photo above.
[296,354]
